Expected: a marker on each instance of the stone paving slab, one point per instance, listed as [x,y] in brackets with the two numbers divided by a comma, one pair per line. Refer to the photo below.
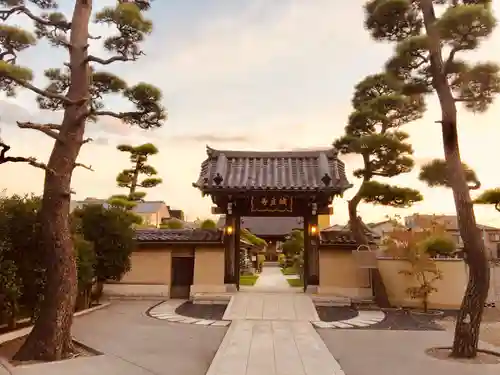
[253,347]
[367,352]
[271,306]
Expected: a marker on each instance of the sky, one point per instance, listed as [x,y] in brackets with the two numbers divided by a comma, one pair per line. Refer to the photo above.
[245,74]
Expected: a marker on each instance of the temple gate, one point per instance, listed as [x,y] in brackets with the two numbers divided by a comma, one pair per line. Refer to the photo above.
[276,183]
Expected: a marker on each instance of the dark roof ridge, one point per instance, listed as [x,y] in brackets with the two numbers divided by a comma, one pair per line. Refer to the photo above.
[330,152]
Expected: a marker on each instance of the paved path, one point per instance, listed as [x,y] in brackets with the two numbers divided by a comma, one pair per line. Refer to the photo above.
[369,352]
[135,344]
[272,279]
[273,348]
[271,333]
[271,306]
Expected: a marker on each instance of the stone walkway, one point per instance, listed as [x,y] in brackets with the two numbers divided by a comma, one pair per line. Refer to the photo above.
[273,348]
[271,306]
[272,279]
[271,333]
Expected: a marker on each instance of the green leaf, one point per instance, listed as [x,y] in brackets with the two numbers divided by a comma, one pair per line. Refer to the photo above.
[388,195]
[490,196]
[150,113]
[478,86]
[132,27]
[435,173]
[150,182]
[392,20]
[464,26]
[9,71]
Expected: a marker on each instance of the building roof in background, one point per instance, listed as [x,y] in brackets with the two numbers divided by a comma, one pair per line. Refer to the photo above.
[141,207]
[345,228]
[310,170]
[268,226]
[340,237]
[450,222]
[178,235]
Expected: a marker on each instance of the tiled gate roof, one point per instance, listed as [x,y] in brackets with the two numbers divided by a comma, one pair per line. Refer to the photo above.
[275,170]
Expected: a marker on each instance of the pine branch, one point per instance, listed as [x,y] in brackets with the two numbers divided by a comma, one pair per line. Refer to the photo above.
[88,167]
[20,159]
[5,14]
[87,140]
[121,115]
[45,93]
[49,129]
[111,60]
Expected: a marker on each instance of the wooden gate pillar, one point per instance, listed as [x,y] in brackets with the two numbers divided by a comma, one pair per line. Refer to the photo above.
[229,249]
[311,251]
[237,251]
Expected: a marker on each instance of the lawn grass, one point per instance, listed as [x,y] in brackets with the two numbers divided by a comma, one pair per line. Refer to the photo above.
[288,271]
[248,280]
[296,283]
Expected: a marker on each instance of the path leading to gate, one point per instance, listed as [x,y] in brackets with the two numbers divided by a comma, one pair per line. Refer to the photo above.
[271,333]
[271,279]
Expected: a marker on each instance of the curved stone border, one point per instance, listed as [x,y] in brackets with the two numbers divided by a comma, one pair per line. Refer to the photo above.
[166,311]
[364,318]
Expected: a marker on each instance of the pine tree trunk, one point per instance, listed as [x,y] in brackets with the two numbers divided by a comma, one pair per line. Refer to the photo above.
[469,320]
[50,338]
[358,232]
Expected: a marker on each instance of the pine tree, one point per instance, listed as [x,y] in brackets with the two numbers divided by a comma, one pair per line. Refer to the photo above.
[129,178]
[78,91]
[373,132]
[430,35]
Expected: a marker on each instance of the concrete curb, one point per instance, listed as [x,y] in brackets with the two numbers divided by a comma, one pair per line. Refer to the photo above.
[365,318]
[9,336]
[166,311]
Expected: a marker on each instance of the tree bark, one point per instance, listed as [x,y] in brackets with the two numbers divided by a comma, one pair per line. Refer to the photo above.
[50,338]
[358,232]
[466,339]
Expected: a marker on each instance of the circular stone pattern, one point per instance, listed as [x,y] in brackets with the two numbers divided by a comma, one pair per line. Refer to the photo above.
[167,311]
[363,319]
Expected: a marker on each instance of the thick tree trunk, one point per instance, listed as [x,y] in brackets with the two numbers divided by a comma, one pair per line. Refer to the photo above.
[469,320]
[50,338]
[358,232]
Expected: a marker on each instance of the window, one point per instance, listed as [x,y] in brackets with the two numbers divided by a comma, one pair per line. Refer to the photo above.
[498,250]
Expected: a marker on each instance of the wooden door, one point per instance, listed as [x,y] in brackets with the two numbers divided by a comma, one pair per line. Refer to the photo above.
[182,277]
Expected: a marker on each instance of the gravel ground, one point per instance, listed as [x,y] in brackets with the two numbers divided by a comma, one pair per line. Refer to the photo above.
[406,321]
[201,311]
[335,313]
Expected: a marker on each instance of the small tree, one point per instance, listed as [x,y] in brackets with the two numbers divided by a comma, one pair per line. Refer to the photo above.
[208,224]
[78,91]
[172,223]
[411,246]
[293,248]
[426,61]
[86,262]
[490,196]
[111,233]
[129,178]
[380,109]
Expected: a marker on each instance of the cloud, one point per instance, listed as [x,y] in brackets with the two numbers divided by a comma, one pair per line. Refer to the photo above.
[212,138]
[100,141]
